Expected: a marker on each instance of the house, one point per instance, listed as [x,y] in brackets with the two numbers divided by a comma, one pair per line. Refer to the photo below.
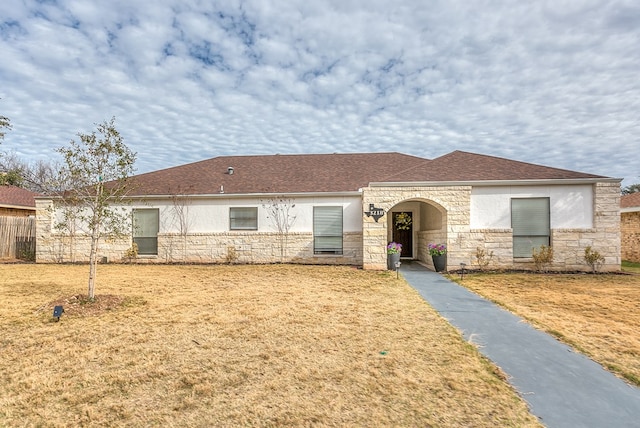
[630,227]
[17,202]
[345,208]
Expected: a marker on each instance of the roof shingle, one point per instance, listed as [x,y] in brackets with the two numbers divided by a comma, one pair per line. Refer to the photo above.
[630,200]
[334,173]
[12,196]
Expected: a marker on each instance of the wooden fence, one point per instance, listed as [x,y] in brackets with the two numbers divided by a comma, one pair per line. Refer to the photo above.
[17,238]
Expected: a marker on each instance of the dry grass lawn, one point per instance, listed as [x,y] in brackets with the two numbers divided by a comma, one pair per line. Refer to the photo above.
[598,315]
[237,346]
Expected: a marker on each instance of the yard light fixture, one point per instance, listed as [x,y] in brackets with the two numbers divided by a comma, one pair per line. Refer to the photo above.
[57,312]
[397,268]
[462,266]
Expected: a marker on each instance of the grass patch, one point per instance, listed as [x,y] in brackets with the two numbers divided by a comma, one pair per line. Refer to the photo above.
[238,346]
[595,314]
[632,267]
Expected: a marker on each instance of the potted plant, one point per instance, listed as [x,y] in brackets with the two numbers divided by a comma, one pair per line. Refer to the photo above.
[393,255]
[439,256]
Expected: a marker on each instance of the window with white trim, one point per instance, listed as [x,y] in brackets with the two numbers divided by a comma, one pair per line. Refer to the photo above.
[530,221]
[243,218]
[327,230]
[146,224]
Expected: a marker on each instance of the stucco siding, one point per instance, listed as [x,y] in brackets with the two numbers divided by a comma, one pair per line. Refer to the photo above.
[571,206]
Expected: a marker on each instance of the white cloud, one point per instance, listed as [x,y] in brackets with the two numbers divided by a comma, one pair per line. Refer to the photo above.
[545,82]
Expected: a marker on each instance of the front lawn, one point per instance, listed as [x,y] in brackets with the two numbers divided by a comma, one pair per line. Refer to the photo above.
[237,346]
[598,315]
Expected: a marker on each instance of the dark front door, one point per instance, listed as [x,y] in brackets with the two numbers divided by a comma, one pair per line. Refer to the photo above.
[403,232]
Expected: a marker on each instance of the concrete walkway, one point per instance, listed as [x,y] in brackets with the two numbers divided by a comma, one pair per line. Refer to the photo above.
[563,388]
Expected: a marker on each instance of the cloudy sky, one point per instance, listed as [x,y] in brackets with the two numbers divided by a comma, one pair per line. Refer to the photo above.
[550,82]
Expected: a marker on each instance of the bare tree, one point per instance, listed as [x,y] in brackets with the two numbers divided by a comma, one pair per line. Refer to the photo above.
[5,123]
[39,176]
[99,166]
[279,212]
[181,205]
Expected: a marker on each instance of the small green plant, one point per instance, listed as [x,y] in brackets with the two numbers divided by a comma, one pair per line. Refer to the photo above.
[131,253]
[28,255]
[232,255]
[593,259]
[543,257]
[483,258]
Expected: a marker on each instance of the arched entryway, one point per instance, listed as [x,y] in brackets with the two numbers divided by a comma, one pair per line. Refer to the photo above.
[415,223]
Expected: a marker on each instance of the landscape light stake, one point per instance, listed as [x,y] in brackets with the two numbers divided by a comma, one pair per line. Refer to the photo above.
[57,312]
[462,266]
[397,269]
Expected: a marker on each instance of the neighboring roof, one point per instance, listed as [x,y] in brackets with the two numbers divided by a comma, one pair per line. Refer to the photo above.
[630,200]
[335,173]
[15,197]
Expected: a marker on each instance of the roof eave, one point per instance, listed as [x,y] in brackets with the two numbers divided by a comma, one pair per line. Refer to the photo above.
[629,209]
[18,207]
[253,195]
[239,195]
[555,181]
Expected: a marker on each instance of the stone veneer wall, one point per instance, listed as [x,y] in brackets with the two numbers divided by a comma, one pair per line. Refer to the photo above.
[630,236]
[250,247]
[462,242]
[453,202]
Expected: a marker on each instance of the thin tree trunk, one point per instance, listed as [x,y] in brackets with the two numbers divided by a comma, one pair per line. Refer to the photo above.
[93,261]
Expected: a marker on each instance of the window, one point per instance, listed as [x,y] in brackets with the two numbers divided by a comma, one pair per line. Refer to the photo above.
[145,230]
[243,218]
[530,221]
[327,230]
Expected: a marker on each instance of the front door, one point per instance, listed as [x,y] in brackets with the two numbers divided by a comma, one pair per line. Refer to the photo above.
[403,232]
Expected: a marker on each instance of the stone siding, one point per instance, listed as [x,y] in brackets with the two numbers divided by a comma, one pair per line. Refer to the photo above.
[251,247]
[454,204]
[450,205]
[248,247]
[630,236]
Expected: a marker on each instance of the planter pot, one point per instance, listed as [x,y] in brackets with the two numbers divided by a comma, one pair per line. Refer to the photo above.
[392,259]
[440,262]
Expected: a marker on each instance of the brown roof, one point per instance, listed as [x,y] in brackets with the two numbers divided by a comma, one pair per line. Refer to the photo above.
[275,174]
[15,197]
[334,173]
[465,166]
[630,200]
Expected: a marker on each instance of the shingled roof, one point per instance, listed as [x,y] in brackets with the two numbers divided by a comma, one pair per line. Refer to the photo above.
[630,200]
[15,197]
[465,166]
[334,173]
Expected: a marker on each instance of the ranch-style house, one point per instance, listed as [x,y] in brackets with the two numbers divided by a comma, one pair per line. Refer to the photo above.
[346,208]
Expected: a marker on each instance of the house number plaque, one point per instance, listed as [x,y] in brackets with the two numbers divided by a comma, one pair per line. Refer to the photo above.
[374,212]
